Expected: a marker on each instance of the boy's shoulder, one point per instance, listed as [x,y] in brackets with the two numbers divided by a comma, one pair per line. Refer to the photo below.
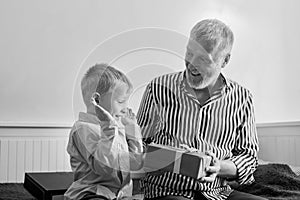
[86,128]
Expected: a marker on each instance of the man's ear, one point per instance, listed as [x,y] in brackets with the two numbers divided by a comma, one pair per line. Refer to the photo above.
[96,97]
[226,60]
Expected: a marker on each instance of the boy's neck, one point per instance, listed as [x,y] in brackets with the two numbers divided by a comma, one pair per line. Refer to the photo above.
[91,110]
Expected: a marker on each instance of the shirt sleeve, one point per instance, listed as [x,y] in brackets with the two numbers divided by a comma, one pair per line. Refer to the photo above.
[246,147]
[135,146]
[147,116]
[97,149]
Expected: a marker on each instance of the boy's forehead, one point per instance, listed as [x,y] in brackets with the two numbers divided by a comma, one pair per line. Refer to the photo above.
[121,88]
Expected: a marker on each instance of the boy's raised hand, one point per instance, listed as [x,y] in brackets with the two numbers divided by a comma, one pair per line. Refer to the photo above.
[128,118]
[132,129]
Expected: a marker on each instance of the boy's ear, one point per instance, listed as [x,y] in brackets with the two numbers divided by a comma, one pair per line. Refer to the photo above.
[96,97]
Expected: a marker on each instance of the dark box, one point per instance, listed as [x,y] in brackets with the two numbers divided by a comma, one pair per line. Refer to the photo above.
[166,158]
[48,185]
[45,185]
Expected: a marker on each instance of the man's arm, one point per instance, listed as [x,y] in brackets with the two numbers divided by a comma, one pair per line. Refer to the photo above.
[244,161]
[246,147]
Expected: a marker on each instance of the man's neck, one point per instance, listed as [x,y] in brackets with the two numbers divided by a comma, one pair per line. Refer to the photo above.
[203,95]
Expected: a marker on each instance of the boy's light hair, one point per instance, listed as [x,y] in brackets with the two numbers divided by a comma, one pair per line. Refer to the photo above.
[214,34]
[101,78]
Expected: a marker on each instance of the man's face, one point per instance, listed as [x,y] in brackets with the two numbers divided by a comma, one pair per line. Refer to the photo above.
[201,69]
[116,100]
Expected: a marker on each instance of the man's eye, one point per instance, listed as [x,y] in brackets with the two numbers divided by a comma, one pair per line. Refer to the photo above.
[121,101]
[205,60]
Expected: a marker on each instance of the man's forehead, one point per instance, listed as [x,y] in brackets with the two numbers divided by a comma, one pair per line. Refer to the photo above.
[197,48]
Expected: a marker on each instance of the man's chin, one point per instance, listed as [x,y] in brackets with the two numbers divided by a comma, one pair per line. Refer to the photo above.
[195,84]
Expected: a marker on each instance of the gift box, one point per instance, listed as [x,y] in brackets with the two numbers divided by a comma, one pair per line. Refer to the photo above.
[176,160]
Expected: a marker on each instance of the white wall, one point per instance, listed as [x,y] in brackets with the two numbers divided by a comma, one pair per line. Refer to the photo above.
[44,45]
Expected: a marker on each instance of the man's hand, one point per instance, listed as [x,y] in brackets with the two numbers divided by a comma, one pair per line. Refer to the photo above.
[212,170]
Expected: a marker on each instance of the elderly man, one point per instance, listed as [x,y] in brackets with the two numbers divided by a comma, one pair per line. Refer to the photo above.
[203,109]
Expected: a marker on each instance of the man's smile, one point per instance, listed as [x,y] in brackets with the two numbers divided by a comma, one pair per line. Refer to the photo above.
[194,72]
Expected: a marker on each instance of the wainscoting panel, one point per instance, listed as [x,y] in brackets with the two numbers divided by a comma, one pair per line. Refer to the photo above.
[280,142]
[32,149]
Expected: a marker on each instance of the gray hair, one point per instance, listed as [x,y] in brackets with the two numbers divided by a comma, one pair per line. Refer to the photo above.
[213,34]
[101,78]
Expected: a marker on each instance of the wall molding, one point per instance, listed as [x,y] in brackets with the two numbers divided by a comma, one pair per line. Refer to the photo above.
[62,130]
[278,124]
[33,125]
[37,132]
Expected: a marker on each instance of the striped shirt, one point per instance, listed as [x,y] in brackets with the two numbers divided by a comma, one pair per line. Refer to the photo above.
[225,124]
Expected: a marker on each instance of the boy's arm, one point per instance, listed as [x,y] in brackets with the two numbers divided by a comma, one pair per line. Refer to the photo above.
[98,152]
[135,146]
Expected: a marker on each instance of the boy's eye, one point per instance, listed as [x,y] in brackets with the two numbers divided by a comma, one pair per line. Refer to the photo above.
[189,54]
[121,101]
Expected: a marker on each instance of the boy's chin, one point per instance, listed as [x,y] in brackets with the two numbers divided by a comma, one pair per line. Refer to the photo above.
[103,118]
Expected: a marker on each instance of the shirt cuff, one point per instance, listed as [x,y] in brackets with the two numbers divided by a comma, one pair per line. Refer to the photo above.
[133,132]
[245,169]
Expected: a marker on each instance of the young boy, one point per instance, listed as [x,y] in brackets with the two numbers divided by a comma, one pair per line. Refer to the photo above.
[105,143]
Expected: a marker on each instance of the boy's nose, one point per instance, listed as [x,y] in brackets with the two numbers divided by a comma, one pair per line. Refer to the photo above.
[124,110]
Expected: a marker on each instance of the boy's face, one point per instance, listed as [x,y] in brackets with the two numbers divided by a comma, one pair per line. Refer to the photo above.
[116,100]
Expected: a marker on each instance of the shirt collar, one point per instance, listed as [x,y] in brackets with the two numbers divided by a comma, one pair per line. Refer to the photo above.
[93,119]
[90,118]
[182,77]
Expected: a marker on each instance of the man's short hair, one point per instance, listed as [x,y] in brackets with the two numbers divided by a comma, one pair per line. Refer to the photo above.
[101,78]
[213,34]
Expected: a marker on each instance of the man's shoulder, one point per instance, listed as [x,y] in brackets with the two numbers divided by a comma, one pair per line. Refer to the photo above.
[237,88]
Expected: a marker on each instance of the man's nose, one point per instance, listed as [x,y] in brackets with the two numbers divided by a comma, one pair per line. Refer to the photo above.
[194,61]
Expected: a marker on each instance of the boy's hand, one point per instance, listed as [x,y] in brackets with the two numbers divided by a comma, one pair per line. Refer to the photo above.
[128,118]
[132,129]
